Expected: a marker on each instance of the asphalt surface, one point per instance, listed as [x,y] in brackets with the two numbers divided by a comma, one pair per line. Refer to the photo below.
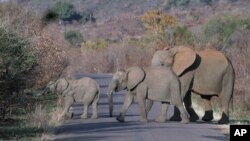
[107,128]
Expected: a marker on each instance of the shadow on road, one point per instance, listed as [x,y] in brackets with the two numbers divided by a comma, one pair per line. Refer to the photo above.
[219,138]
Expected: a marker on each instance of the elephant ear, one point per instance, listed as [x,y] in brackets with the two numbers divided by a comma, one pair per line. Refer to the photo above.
[61,85]
[183,59]
[135,75]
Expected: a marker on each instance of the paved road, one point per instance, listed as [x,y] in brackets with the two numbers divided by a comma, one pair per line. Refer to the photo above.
[108,129]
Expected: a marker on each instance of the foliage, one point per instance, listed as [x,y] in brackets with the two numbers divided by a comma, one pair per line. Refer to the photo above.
[160,24]
[98,44]
[17,61]
[182,36]
[73,37]
[63,9]
[17,57]
[179,2]
[31,125]
[29,58]
[221,29]
[158,21]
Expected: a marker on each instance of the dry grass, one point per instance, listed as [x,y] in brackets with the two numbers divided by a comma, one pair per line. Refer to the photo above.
[115,56]
[46,121]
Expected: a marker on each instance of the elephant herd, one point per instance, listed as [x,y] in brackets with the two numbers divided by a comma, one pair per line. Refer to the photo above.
[174,73]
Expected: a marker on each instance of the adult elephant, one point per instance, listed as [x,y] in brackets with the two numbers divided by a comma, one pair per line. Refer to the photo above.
[207,73]
[148,83]
[85,90]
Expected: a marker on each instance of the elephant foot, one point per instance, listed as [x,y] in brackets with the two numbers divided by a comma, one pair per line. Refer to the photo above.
[94,117]
[69,115]
[84,116]
[224,119]
[144,120]
[185,121]
[161,119]
[120,119]
[208,116]
[194,118]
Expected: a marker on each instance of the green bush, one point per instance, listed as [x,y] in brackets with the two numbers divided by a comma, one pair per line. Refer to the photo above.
[182,36]
[221,29]
[63,9]
[75,38]
[16,61]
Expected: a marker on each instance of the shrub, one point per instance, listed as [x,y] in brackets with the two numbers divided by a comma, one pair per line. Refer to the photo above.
[157,21]
[29,57]
[17,61]
[182,36]
[161,25]
[73,37]
[63,9]
[221,29]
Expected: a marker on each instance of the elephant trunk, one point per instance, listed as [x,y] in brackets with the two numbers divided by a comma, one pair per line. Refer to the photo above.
[111,88]
[110,98]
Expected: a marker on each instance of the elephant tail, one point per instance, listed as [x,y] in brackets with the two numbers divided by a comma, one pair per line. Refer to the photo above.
[99,91]
[231,82]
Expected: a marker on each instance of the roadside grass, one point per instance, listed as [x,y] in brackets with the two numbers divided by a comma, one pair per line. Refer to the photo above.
[36,125]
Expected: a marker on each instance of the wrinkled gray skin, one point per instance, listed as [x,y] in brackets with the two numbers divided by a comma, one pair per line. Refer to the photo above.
[148,84]
[207,73]
[85,90]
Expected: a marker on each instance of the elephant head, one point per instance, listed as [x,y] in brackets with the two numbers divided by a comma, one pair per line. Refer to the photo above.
[179,58]
[124,80]
[57,86]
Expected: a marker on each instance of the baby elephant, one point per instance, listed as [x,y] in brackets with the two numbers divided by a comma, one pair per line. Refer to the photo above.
[154,84]
[85,90]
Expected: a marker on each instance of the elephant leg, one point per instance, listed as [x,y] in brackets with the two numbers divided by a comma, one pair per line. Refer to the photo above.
[162,116]
[149,104]
[176,116]
[68,101]
[94,105]
[85,111]
[69,115]
[208,116]
[141,102]
[184,114]
[225,109]
[86,103]
[128,101]
[188,104]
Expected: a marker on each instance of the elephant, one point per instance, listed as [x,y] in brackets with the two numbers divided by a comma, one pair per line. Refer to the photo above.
[148,83]
[85,90]
[206,73]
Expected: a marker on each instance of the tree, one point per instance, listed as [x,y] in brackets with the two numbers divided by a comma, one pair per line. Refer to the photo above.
[16,61]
